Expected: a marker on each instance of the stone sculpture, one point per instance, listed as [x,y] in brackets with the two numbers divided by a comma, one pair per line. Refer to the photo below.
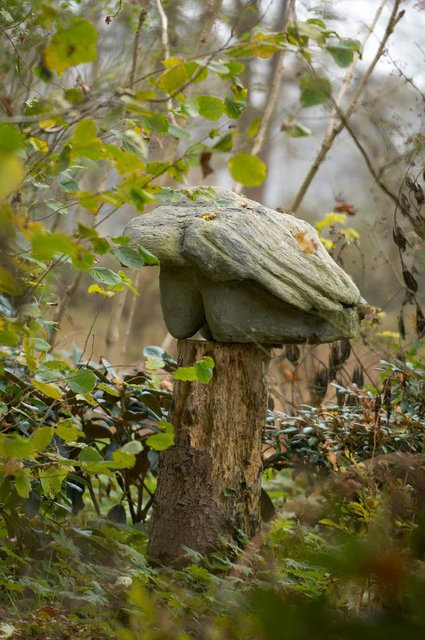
[239,272]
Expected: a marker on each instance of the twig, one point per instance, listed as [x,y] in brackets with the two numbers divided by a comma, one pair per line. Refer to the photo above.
[93,497]
[349,73]
[142,16]
[337,128]
[166,47]
[272,97]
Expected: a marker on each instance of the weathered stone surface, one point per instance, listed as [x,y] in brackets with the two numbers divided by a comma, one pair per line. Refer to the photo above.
[240,272]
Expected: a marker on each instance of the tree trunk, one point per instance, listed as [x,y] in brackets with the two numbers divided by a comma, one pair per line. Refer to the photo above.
[209,482]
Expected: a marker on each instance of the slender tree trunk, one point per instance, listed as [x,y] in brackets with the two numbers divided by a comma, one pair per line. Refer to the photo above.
[210,481]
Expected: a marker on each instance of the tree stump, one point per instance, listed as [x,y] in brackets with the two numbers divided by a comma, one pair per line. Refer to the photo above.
[209,481]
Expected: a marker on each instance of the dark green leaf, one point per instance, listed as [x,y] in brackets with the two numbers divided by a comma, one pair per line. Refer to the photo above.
[314,90]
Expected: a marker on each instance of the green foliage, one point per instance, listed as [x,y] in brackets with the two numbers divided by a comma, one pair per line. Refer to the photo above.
[314,90]
[248,169]
[79,442]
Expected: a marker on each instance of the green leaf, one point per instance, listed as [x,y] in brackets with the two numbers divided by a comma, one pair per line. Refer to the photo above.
[81,381]
[161,441]
[83,260]
[15,446]
[294,129]
[10,138]
[68,184]
[254,127]
[314,90]
[140,197]
[187,374]
[128,256]
[11,174]
[41,345]
[66,430]
[342,51]
[75,95]
[300,31]
[45,245]
[105,276]
[8,338]
[23,482]
[247,169]
[209,107]
[133,446]
[178,132]
[71,46]
[155,122]
[225,143]
[148,257]
[108,388]
[203,372]
[89,201]
[233,108]
[174,77]
[42,438]
[89,454]
[122,460]
[8,283]
[51,479]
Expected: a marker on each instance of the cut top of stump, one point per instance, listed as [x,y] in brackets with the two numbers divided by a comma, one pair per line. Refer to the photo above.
[239,272]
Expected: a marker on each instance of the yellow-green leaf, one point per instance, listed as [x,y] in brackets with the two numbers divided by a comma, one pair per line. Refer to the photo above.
[71,46]
[173,78]
[67,431]
[51,479]
[94,288]
[11,174]
[50,390]
[8,283]
[41,438]
[248,169]
[23,482]
[209,107]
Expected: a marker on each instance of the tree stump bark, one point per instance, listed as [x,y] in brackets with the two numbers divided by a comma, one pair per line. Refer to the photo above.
[209,481]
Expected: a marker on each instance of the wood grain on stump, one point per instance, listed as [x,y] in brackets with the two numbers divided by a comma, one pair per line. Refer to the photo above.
[209,482]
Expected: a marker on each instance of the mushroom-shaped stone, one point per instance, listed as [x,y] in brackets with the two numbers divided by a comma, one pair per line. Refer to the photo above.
[239,272]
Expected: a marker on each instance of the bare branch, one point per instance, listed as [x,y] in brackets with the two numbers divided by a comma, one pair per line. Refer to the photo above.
[164,29]
[337,128]
[274,90]
[142,16]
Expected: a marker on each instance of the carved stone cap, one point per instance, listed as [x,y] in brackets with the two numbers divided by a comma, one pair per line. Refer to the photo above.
[240,272]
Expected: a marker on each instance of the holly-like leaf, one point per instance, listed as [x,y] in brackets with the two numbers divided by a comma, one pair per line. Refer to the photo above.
[248,169]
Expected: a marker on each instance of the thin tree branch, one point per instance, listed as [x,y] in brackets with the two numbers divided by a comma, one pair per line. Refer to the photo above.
[349,74]
[274,90]
[337,128]
[142,16]
[164,29]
